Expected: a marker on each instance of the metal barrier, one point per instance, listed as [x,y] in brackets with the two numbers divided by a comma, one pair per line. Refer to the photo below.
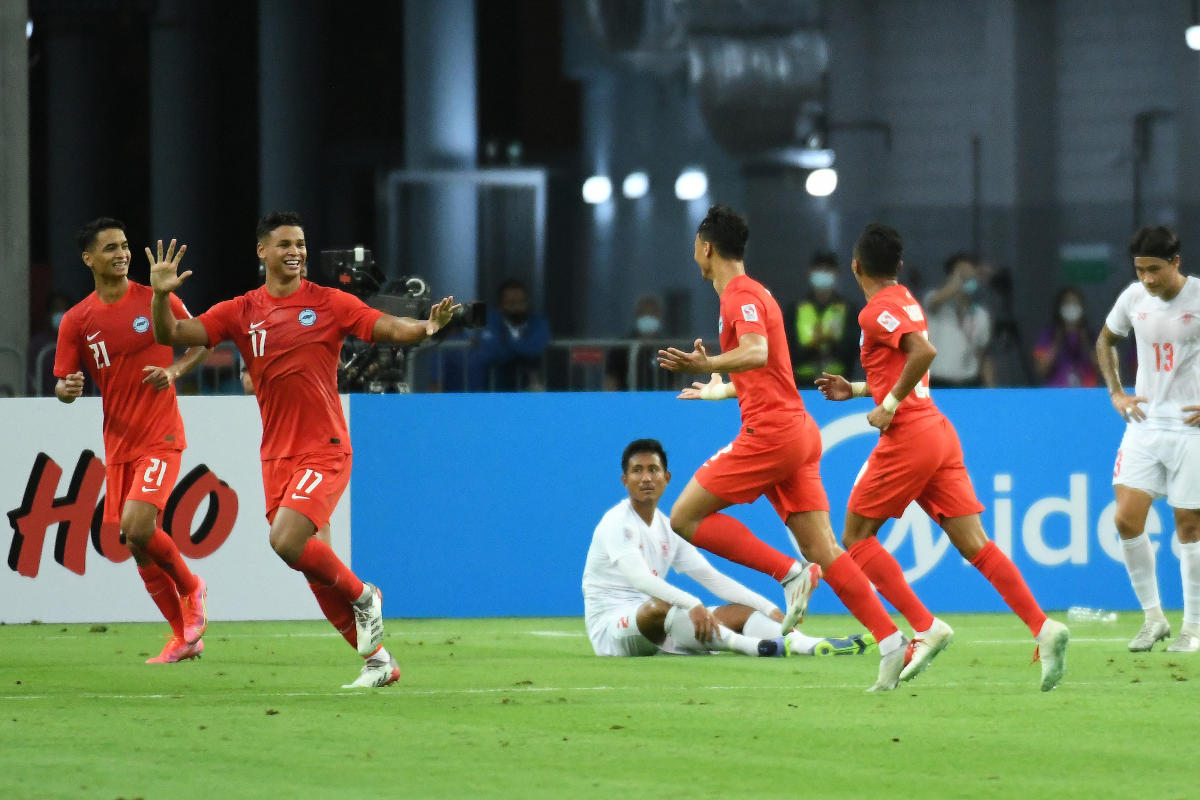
[19,378]
[41,370]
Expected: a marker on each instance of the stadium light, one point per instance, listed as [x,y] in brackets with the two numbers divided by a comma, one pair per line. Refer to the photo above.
[821,182]
[597,189]
[1192,36]
[635,185]
[692,184]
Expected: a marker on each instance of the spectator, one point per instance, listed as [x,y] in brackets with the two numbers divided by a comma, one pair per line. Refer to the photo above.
[822,328]
[45,334]
[513,343]
[647,329]
[1064,354]
[959,326]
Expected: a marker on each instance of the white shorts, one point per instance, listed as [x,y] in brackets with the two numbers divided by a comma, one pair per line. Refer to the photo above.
[615,633]
[1160,463]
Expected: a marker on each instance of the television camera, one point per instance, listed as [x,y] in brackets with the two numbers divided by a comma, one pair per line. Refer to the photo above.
[382,368]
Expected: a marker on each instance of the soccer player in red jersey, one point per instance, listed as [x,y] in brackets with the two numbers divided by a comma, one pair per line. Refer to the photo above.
[108,332]
[918,458]
[289,332]
[777,452]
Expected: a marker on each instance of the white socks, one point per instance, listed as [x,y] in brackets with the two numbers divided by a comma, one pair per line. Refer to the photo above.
[760,626]
[680,628]
[1189,568]
[1139,563]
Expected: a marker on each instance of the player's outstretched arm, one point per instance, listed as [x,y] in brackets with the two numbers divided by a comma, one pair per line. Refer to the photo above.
[751,353]
[165,280]
[836,387]
[162,377]
[1106,358]
[715,389]
[406,330]
[70,387]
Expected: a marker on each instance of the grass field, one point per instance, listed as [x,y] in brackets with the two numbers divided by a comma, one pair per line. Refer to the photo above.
[521,708]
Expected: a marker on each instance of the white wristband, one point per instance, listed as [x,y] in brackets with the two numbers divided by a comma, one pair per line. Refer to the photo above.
[712,391]
[889,403]
[858,389]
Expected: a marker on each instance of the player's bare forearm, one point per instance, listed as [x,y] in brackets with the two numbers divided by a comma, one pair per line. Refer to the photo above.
[399,330]
[919,354]
[191,358]
[751,353]
[169,330]
[1106,360]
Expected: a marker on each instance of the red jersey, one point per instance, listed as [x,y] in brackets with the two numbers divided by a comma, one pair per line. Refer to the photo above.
[290,346]
[767,395]
[890,314]
[114,342]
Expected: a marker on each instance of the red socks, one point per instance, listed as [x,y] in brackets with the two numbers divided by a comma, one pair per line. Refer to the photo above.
[881,569]
[162,590]
[850,585]
[337,611]
[321,566]
[162,550]
[728,538]
[1003,574]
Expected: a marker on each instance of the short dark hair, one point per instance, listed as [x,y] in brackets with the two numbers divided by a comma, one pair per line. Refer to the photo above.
[726,230]
[823,258]
[958,255]
[642,446]
[1157,241]
[85,237]
[276,219]
[879,250]
[511,283]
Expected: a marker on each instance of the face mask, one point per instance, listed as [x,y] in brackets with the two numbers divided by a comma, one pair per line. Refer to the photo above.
[970,286]
[1071,312]
[648,325]
[56,319]
[517,317]
[822,279]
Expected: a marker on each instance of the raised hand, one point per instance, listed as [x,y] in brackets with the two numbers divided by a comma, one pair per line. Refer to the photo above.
[440,315]
[679,361]
[834,387]
[163,277]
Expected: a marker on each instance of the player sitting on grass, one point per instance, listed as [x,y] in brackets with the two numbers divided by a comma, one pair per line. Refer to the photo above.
[631,611]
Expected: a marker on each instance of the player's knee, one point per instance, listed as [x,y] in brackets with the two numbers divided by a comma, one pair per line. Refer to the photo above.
[682,524]
[1129,525]
[284,546]
[137,536]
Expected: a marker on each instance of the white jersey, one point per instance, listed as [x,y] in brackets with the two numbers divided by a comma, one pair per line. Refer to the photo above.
[622,531]
[1168,350]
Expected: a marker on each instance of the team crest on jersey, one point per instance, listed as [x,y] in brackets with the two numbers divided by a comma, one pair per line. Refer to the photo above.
[749,313]
[307,317]
[141,324]
[889,322]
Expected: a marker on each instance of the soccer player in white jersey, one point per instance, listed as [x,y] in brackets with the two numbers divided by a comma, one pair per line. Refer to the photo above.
[631,611]
[1160,451]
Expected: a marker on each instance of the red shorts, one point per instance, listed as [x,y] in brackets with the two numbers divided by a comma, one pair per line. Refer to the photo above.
[783,465]
[150,479]
[926,466]
[311,484]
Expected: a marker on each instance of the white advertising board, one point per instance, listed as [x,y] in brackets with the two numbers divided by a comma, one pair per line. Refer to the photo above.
[246,580]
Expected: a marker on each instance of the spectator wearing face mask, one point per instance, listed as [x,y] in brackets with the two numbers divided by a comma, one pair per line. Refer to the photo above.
[647,330]
[960,327]
[822,327]
[1064,354]
[45,335]
[513,343]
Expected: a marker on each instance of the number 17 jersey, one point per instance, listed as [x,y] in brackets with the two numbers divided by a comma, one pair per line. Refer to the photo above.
[290,346]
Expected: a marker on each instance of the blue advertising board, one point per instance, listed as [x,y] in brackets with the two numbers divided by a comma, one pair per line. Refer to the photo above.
[484,504]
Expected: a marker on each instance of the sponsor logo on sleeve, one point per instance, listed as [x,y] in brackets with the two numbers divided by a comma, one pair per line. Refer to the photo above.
[750,312]
[914,312]
[888,322]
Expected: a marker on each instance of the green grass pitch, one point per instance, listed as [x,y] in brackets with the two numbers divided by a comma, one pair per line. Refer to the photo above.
[521,708]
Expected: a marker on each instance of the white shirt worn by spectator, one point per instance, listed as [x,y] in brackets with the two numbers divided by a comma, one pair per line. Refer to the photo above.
[959,339]
[628,559]
[1167,333]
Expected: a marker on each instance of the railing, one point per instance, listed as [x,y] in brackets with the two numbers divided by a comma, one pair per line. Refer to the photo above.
[15,388]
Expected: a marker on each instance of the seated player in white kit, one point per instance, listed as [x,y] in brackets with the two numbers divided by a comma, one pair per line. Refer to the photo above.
[630,610]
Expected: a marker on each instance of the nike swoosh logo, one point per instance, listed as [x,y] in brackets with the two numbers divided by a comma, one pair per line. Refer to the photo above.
[144,489]
[254,325]
[300,497]
[93,336]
